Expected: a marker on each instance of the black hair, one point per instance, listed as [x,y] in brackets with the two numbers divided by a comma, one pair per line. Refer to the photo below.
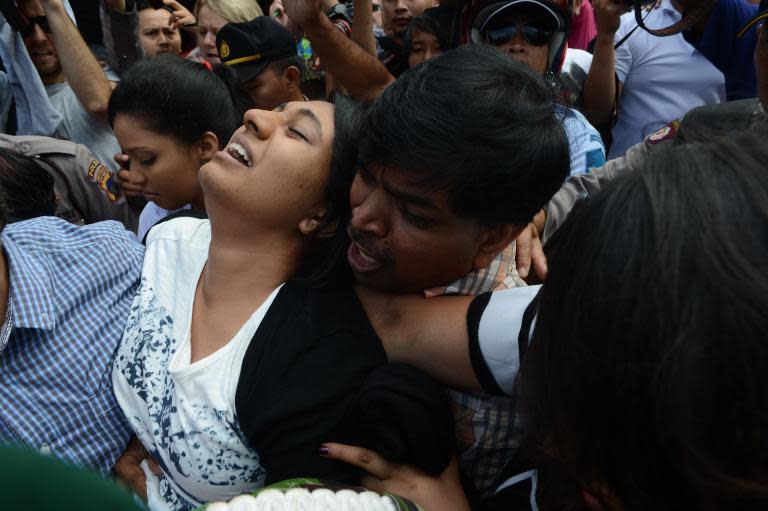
[143,5]
[25,186]
[476,124]
[647,373]
[279,66]
[180,98]
[325,262]
[438,21]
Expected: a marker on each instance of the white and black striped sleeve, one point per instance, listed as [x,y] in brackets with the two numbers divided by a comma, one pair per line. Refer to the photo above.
[496,322]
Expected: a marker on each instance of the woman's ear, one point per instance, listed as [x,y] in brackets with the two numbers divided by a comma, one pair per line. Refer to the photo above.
[309,226]
[208,145]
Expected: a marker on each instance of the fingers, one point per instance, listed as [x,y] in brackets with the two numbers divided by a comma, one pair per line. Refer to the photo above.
[538,260]
[365,459]
[153,466]
[523,251]
[128,470]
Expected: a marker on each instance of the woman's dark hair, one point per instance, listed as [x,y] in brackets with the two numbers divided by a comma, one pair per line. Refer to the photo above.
[180,98]
[325,261]
[26,187]
[438,21]
[648,369]
[474,124]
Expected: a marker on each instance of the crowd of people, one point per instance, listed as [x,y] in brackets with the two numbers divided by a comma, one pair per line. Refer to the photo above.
[445,255]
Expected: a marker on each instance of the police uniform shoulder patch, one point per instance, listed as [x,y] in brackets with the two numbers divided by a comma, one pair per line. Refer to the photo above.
[101,175]
[668,132]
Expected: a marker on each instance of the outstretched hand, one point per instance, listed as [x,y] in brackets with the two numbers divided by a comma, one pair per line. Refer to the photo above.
[432,493]
[608,15]
[529,256]
[180,17]
[306,13]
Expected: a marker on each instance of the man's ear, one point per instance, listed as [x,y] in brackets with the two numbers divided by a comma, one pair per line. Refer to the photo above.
[309,226]
[495,239]
[208,145]
[292,76]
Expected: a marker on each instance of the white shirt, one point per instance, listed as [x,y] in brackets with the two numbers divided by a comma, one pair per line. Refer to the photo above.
[151,214]
[184,413]
[663,77]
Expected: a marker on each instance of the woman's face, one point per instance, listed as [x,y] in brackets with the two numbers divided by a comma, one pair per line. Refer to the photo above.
[275,168]
[155,33]
[208,25]
[165,170]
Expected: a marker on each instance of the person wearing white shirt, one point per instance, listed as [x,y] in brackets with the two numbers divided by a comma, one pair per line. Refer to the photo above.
[648,80]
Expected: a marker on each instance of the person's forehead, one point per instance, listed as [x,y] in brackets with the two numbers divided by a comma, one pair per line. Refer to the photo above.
[209,18]
[154,17]
[32,8]
[422,36]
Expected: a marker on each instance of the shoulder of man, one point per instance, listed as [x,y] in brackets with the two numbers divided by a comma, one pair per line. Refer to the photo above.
[75,160]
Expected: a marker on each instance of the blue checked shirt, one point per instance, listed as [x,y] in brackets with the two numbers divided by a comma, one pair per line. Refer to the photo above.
[70,291]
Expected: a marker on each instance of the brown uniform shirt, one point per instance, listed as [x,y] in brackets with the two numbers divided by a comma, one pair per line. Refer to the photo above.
[86,192]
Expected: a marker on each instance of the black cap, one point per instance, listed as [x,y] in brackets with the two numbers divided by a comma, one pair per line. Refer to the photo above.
[762,13]
[250,47]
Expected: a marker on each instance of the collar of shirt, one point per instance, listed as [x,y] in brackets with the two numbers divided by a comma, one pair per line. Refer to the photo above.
[30,289]
[668,8]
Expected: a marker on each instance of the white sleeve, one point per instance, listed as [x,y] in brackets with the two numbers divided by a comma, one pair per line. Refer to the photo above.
[624,52]
[494,323]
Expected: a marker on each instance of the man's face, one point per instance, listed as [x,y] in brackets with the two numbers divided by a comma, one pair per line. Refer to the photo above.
[396,14]
[508,36]
[155,33]
[40,45]
[268,89]
[424,46]
[406,238]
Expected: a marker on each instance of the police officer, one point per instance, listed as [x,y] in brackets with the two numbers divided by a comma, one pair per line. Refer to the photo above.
[86,191]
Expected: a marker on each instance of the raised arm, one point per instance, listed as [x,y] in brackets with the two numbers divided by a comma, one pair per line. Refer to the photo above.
[362,26]
[80,66]
[357,71]
[602,90]
[119,24]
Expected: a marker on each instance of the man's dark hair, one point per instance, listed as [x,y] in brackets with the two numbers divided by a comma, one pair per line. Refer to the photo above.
[476,124]
[279,66]
[179,98]
[26,188]
[648,369]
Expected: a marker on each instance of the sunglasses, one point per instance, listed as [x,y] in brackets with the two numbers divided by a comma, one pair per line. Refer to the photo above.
[29,27]
[534,34]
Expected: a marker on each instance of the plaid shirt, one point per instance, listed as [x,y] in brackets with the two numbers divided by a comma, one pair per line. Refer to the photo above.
[487,427]
[70,291]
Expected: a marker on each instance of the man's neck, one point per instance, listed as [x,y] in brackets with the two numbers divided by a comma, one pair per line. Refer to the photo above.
[53,79]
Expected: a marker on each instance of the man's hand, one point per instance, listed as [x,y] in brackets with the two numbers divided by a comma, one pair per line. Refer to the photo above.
[529,254]
[128,471]
[306,13]
[608,16]
[180,17]
[432,493]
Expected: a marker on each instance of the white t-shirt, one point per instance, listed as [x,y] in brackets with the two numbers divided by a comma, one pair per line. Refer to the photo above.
[663,77]
[151,214]
[184,413]
[80,126]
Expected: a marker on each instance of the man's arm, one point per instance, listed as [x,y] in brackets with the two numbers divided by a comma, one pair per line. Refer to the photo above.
[602,90]
[80,66]
[353,68]
[428,333]
[119,23]
[362,27]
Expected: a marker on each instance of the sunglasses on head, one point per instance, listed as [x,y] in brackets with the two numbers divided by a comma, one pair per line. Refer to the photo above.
[534,34]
